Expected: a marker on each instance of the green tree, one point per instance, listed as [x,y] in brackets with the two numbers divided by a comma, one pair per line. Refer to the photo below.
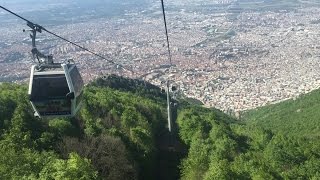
[73,168]
[108,155]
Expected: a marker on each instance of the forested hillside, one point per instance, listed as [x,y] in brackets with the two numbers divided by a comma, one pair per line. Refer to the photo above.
[296,117]
[116,136]
[220,150]
[113,136]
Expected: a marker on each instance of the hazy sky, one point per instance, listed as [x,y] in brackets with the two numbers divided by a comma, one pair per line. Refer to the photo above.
[60,11]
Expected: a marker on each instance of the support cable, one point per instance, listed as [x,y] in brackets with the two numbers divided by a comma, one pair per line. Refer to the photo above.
[167,36]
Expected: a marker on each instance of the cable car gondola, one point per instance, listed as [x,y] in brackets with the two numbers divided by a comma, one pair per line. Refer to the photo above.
[55,90]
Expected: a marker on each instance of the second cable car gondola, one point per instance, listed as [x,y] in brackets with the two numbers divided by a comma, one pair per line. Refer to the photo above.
[55,90]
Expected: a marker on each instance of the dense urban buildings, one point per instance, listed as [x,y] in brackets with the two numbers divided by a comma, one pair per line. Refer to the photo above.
[229,54]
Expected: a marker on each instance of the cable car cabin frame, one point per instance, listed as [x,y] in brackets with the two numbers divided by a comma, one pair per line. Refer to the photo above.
[55,90]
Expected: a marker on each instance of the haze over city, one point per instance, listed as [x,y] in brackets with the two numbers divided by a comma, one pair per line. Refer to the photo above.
[230,54]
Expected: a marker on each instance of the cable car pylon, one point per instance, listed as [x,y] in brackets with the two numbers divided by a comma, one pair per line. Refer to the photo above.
[169,106]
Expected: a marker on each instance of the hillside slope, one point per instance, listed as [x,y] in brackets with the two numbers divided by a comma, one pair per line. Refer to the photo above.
[112,137]
[120,133]
[297,117]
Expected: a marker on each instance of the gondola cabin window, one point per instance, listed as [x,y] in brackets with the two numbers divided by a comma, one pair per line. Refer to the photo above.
[49,95]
